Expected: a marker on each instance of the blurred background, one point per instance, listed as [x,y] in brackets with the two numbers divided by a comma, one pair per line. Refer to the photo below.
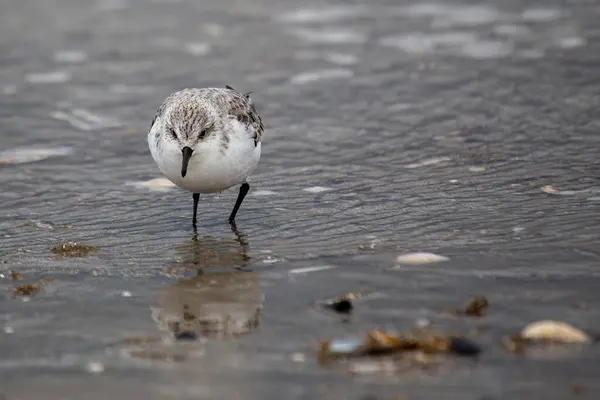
[464,128]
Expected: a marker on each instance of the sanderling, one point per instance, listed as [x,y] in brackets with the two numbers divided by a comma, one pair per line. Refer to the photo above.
[207,140]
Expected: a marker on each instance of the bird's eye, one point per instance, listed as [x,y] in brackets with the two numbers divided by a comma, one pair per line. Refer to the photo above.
[173,133]
[203,133]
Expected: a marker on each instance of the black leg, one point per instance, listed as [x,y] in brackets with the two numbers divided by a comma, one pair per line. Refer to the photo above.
[196,197]
[243,192]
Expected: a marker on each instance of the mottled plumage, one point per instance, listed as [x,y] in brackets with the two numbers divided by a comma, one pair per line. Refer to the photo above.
[207,140]
[188,105]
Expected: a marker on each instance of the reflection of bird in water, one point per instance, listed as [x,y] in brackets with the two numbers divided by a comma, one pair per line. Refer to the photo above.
[208,252]
[212,304]
[216,303]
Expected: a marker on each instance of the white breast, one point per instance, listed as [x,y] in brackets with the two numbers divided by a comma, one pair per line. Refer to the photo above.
[212,168]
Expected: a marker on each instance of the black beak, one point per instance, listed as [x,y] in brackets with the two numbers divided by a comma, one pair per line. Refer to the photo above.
[187,154]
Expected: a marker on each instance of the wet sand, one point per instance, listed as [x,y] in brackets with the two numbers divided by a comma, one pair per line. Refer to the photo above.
[469,131]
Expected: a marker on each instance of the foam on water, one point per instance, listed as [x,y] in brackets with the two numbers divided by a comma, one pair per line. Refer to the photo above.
[541,14]
[264,193]
[511,30]
[9,89]
[466,16]
[48,77]
[447,15]
[27,154]
[329,35]
[156,184]
[322,74]
[323,14]
[469,42]
[567,37]
[424,10]
[423,43]
[428,161]
[317,189]
[342,59]
[128,89]
[198,49]
[112,5]
[84,120]
[570,42]
[70,57]
[531,54]
[487,49]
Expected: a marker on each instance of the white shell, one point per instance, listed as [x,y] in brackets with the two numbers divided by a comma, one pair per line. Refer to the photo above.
[158,184]
[420,258]
[555,331]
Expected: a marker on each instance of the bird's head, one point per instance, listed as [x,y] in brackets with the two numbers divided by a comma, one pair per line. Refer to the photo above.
[188,132]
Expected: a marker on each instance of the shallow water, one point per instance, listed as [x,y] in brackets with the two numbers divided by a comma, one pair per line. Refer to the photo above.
[391,127]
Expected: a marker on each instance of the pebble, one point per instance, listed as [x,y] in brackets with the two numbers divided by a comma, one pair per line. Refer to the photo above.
[464,346]
[554,331]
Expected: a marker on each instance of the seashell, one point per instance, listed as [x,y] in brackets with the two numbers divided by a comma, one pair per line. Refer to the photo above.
[420,258]
[549,189]
[379,340]
[554,331]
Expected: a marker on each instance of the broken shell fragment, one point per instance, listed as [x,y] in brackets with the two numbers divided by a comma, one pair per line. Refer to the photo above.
[15,276]
[550,189]
[477,307]
[27,289]
[554,331]
[380,342]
